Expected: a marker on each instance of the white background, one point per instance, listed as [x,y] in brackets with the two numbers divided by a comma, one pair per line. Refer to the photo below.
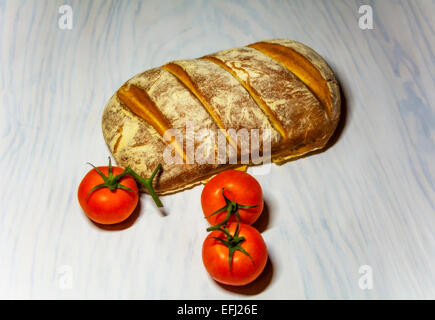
[367,200]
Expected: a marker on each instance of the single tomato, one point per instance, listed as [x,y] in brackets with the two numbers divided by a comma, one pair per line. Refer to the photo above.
[108,200]
[237,259]
[236,188]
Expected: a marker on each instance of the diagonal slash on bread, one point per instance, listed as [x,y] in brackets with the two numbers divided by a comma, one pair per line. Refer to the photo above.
[279,86]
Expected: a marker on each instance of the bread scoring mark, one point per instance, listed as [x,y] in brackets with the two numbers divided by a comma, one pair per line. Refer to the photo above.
[139,103]
[176,178]
[254,94]
[115,148]
[182,75]
[301,67]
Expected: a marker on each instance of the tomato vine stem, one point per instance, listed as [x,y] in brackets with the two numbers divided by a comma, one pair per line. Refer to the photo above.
[113,182]
[232,208]
[233,243]
[148,182]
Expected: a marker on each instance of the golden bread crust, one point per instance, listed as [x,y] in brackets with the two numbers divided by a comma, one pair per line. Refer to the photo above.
[253,87]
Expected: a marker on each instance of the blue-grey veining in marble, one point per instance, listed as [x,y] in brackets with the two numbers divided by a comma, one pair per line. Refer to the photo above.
[367,200]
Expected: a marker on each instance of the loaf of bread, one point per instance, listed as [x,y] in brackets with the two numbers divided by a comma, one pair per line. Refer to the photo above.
[280,92]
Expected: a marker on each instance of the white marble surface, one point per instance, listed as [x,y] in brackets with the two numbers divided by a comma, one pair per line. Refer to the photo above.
[367,200]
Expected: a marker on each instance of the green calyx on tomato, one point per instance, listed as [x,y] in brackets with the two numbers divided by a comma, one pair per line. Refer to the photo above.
[112,182]
[234,253]
[233,242]
[232,208]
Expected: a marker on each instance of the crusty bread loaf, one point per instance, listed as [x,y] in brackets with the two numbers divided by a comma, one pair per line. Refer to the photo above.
[281,87]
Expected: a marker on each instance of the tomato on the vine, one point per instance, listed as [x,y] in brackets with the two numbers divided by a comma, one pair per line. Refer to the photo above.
[109,195]
[235,255]
[232,190]
[104,205]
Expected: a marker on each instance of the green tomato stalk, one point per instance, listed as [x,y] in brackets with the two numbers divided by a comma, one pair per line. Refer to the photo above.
[112,182]
[233,241]
[232,208]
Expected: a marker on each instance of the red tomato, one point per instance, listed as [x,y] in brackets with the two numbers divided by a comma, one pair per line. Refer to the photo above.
[240,187]
[107,206]
[244,269]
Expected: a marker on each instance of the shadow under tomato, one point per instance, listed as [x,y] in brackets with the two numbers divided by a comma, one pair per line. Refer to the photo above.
[127,223]
[263,220]
[255,287]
